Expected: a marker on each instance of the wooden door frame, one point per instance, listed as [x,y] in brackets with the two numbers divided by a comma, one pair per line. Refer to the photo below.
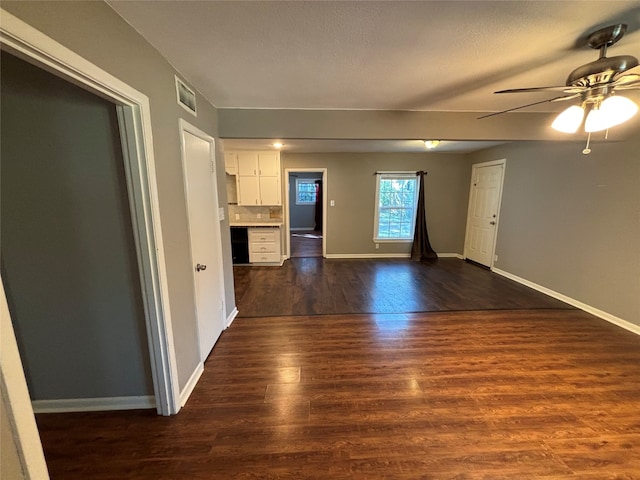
[186,127]
[287,219]
[134,116]
[493,163]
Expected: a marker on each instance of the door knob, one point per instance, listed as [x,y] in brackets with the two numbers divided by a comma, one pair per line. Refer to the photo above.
[200,267]
[492,223]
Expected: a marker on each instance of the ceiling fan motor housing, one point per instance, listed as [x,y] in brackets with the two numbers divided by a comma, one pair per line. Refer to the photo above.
[600,71]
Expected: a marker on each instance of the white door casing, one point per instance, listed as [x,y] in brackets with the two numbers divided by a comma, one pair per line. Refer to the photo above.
[198,161]
[483,213]
[287,208]
[134,116]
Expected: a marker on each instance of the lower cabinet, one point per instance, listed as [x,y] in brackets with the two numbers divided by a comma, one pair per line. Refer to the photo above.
[264,245]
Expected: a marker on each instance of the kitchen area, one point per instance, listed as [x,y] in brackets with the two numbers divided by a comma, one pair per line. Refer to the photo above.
[254,192]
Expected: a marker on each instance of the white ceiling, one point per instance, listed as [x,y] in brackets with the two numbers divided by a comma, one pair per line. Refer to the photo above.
[392,55]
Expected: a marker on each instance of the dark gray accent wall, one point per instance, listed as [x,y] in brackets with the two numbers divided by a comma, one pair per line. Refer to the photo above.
[571,222]
[68,258]
[352,184]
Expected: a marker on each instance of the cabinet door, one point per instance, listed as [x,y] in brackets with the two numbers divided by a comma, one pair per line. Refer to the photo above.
[270,191]
[248,164]
[268,164]
[248,191]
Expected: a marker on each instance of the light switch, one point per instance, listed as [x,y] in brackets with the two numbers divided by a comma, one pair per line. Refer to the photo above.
[333,203]
[220,213]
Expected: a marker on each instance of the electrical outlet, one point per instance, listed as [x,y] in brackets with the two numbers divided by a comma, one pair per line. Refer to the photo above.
[259,215]
[237,216]
[495,258]
[377,246]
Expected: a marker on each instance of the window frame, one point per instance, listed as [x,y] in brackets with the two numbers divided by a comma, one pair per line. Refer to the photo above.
[306,181]
[376,219]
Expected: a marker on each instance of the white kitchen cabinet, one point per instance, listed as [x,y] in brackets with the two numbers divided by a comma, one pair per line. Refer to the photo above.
[231,163]
[264,245]
[258,178]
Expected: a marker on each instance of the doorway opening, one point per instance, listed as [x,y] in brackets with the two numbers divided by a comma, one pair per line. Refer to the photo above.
[305,212]
[133,114]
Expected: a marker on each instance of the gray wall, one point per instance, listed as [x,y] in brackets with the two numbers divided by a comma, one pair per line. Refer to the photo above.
[68,258]
[570,222]
[352,184]
[301,216]
[97,33]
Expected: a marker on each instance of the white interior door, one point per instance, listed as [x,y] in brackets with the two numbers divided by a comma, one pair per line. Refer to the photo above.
[204,230]
[484,209]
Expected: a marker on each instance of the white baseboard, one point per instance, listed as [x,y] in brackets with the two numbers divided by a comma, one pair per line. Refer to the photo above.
[368,255]
[232,316]
[191,384]
[571,301]
[450,255]
[67,405]
[386,255]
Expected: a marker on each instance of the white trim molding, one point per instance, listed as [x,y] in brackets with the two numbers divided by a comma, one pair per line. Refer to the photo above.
[191,384]
[14,396]
[99,404]
[232,316]
[450,255]
[368,255]
[571,301]
[134,115]
[387,255]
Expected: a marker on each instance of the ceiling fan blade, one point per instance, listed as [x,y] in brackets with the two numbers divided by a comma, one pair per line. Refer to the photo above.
[557,99]
[627,74]
[564,89]
[627,82]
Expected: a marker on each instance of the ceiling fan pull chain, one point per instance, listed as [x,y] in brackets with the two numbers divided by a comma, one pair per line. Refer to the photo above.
[587,150]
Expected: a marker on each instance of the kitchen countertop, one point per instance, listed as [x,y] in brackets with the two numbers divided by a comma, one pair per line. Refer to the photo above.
[238,223]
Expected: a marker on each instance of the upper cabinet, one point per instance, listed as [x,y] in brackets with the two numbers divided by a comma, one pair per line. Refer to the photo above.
[257,176]
[231,163]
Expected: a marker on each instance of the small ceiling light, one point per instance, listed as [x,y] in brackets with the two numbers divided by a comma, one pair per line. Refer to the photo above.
[613,111]
[278,145]
[431,144]
[569,120]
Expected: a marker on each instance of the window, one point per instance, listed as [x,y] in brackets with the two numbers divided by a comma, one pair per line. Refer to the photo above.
[396,202]
[306,191]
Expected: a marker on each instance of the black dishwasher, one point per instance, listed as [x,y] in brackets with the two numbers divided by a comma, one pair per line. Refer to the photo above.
[239,245]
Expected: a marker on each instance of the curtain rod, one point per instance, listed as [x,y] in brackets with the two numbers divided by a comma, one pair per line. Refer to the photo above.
[406,172]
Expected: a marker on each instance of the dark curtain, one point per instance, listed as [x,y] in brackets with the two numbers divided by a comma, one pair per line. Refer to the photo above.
[421,249]
[318,206]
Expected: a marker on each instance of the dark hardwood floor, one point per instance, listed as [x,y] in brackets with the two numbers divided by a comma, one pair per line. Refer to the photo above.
[486,380]
[513,394]
[317,286]
[306,244]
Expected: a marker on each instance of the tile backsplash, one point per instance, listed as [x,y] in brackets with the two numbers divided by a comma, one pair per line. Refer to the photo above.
[250,214]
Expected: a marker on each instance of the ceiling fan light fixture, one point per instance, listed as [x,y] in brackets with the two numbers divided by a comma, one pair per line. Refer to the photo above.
[569,120]
[431,144]
[613,111]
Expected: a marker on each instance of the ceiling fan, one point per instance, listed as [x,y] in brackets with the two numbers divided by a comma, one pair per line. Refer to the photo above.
[595,85]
